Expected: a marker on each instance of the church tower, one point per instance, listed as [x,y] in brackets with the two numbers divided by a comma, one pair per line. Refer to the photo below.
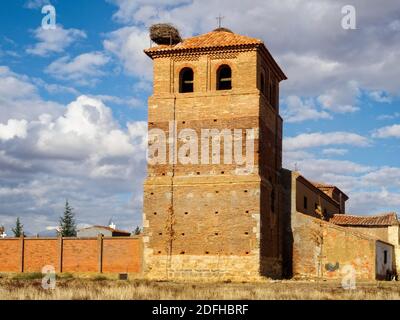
[206,213]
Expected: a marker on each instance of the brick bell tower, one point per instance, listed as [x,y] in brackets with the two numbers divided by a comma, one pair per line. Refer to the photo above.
[217,220]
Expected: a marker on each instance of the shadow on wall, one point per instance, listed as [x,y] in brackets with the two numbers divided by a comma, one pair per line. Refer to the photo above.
[287,237]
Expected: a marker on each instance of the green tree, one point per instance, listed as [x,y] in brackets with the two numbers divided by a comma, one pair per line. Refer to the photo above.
[67,222]
[19,229]
[137,231]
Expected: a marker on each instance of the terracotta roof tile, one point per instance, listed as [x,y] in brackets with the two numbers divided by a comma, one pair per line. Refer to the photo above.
[324,186]
[209,40]
[387,219]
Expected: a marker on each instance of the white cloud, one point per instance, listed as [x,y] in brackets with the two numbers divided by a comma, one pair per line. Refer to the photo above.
[334,152]
[341,99]
[54,41]
[83,149]
[141,10]
[130,101]
[392,131]
[13,129]
[373,202]
[389,116]
[380,96]
[128,44]
[86,130]
[84,69]
[381,177]
[20,98]
[36,4]
[78,151]
[318,139]
[297,110]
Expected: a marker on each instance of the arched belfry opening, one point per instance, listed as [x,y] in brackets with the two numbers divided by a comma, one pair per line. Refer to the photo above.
[224,78]
[186,80]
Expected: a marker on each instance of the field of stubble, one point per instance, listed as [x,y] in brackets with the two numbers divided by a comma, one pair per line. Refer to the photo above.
[29,286]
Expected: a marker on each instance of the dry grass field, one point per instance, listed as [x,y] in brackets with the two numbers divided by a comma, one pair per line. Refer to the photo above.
[28,286]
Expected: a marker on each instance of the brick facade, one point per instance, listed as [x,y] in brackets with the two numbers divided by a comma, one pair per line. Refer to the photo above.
[209,219]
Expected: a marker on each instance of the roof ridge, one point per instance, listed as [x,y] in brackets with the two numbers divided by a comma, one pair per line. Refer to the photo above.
[367,216]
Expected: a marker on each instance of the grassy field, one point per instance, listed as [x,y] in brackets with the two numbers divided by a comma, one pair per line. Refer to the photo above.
[28,286]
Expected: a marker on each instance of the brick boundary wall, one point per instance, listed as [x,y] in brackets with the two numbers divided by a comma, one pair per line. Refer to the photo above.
[101,254]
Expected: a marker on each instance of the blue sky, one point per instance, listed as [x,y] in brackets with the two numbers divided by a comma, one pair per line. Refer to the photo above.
[73,100]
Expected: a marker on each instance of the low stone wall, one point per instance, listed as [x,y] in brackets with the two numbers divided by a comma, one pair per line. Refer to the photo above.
[118,254]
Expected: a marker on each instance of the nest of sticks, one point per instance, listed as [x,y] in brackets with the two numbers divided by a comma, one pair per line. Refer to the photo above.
[164,33]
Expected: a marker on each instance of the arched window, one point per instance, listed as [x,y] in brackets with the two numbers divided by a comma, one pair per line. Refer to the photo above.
[224,78]
[186,80]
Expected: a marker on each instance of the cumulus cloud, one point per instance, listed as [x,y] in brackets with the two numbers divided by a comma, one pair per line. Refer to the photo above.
[142,10]
[297,110]
[54,40]
[128,44]
[380,96]
[84,69]
[318,139]
[392,131]
[13,129]
[19,98]
[77,152]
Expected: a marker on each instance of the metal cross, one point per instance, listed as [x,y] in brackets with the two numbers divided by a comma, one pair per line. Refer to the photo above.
[219,19]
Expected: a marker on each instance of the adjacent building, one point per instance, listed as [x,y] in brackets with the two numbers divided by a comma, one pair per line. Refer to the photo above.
[94,231]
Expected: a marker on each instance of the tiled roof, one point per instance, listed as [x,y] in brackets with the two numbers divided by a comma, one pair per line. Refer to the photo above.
[387,219]
[323,186]
[107,228]
[216,38]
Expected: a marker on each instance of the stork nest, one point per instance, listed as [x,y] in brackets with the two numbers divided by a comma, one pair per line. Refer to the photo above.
[164,33]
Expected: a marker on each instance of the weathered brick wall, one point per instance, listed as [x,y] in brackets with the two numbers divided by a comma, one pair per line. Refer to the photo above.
[378,232]
[74,254]
[215,228]
[317,243]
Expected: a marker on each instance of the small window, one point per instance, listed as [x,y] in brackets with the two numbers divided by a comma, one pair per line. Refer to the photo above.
[385,256]
[224,78]
[273,94]
[325,212]
[273,200]
[186,80]
[316,206]
[305,203]
[262,83]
